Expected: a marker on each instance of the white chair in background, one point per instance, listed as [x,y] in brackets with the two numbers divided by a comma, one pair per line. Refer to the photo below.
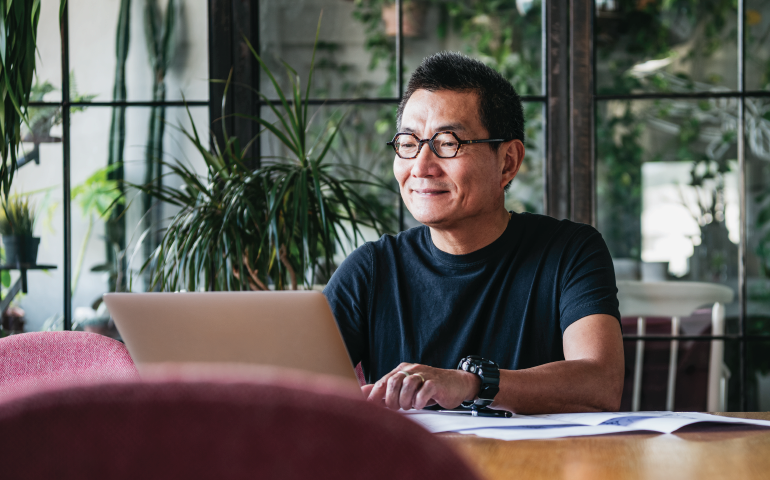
[676,300]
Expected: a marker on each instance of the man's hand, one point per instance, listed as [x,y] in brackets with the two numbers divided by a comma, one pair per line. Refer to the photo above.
[448,388]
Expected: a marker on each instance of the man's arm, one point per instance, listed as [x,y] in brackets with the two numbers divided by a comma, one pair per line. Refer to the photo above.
[589,379]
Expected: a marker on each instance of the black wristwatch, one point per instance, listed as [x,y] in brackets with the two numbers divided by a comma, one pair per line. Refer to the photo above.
[488,372]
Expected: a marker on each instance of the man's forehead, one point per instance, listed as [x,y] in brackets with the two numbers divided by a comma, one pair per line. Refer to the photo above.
[440,110]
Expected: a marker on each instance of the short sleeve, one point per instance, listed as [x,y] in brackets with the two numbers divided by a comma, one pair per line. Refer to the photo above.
[348,293]
[588,281]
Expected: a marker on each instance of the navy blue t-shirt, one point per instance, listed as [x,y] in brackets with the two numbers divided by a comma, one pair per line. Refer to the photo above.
[401,299]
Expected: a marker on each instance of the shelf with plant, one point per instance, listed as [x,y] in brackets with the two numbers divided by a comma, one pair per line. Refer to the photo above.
[17,222]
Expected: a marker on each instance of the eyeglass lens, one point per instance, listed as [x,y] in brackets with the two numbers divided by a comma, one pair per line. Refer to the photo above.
[445,144]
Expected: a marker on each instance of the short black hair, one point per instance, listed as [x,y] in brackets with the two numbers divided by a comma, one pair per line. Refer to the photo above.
[500,108]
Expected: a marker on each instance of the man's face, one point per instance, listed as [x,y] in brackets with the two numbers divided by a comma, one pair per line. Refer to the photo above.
[441,192]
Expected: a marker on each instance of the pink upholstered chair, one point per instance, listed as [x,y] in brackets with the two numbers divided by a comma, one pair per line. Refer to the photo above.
[360,374]
[34,360]
[224,428]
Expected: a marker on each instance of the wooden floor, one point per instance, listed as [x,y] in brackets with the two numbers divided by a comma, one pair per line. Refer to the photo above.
[735,452]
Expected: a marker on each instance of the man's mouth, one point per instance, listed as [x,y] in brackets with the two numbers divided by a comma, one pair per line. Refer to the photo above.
[429,192]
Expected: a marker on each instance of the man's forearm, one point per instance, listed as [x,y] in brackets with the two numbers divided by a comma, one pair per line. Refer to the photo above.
[567,386]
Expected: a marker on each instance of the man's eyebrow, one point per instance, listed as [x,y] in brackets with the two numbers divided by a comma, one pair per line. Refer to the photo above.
[452,126]
[455,127]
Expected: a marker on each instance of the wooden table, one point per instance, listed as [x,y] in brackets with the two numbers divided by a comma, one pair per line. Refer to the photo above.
[740,452]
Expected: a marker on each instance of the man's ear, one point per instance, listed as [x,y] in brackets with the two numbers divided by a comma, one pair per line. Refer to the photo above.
[513,155]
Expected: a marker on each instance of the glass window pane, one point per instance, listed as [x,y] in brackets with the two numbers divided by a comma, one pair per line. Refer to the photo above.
[757,45]
[47,83]
[353,60]
[527,192]
[505,35]
[757,376]
[41,185]
[758,212]
[106,254]
[758,369]
[93,30]
[667,190]
[647,46]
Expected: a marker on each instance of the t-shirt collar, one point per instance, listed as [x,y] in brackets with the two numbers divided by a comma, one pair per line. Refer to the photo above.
[503,243]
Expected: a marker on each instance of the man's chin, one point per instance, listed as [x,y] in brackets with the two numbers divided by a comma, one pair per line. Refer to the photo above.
[430,219]
[431,211]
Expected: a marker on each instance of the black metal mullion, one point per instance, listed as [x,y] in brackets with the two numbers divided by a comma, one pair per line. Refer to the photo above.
[65,106]
[245,23]
[400,83]
[220,65]
[697,338]
[557,167]
[684,95]
[172,103]
[743,245]
[582,189]
[340,101]
[399,48]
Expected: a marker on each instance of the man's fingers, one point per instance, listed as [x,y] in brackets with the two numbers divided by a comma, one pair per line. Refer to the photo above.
[367,389]
[424,395]
[410,386]
[393,391]
[377,393]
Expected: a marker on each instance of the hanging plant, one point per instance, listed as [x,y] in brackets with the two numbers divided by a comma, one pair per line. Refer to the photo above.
[18,38]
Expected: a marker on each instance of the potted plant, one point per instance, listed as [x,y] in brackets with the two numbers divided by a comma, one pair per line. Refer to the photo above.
[17,220]
[413,17]
[273,227]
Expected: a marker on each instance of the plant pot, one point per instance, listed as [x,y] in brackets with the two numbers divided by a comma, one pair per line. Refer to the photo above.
[20,249]
[414,19]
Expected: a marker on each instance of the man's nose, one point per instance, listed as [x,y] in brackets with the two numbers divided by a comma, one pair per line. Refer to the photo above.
[426,163]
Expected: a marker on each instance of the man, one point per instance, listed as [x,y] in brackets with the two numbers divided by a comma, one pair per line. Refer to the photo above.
[532,296]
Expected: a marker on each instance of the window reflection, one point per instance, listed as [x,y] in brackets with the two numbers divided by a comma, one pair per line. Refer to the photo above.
[649,46]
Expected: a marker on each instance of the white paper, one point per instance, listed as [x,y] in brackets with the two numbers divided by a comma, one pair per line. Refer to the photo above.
[663,422]
[436,422]
[542,433]
[522,427]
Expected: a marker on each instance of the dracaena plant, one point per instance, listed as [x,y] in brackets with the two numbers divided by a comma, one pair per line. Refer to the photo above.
[244,229]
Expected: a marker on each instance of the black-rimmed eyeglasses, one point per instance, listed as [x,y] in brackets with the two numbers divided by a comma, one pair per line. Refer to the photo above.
[443,144]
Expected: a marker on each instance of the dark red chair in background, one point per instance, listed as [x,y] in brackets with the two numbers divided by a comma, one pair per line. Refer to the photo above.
[34,360]
[221,428]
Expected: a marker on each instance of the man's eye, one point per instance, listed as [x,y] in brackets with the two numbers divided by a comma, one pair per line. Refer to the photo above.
[407,144]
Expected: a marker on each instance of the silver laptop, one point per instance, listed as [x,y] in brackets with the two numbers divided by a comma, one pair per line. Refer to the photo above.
[285,329]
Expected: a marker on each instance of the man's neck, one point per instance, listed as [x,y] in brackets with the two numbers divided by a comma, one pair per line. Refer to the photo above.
[473,234]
